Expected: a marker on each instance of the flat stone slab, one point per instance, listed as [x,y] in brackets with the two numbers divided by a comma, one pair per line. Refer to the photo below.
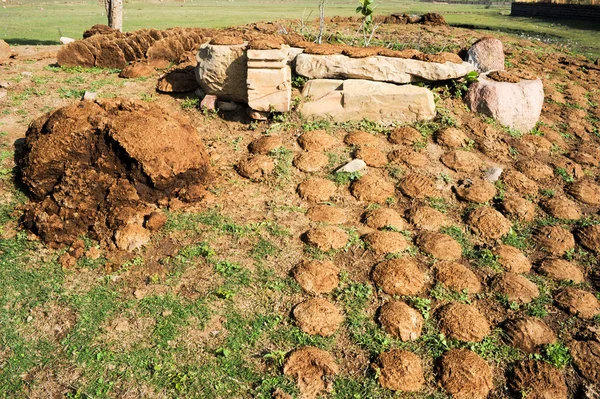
[378,68]
[348,100]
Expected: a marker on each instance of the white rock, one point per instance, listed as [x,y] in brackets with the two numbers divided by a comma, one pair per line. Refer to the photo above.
[378,68]
[4,84]
[356,165]
[66,40]
[515,105]
[269,81]
[493,174]
[28,74]
[89,95]
[222,71]
[362,99]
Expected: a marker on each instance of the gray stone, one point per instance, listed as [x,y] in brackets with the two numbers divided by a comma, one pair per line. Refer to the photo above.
[222,71]
[356,165]
[487,55]
[28,74]
[515,105]
[4,84]
[269,81]
[377,68]
[362,99]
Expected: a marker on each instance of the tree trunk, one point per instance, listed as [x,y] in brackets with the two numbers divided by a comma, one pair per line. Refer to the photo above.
[114,11]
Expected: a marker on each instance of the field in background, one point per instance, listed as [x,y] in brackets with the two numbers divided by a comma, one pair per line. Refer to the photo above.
[43,22]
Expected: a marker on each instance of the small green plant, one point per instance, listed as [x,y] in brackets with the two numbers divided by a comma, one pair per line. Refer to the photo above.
[190,103]
[562,172]
[343,178]
[557,354]
[367,9]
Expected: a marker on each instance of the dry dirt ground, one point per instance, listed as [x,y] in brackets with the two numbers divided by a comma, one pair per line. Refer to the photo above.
[228,289]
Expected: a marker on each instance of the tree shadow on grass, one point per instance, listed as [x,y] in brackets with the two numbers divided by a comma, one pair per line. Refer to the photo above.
[30,42]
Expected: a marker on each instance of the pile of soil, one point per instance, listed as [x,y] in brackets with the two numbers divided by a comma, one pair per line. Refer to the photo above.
[399,277]
[463,322]
[465,375]
[265,144]
[327,238]
[440,246]
[401,321]
[107,48]
[457,277]
[529,334]
[418,186]
[317,140]
[317,277]
[373,188]
[386,242]
[512,259]
[382,218]
[318,316]
[400,370]
[100,168]
[516,288]
[539,379]
[313,368]
[316,189]
[326,214]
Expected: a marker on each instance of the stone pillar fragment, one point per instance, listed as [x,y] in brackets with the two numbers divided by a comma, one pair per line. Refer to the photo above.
[269,81]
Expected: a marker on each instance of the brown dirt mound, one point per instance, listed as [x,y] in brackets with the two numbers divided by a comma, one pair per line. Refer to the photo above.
[360,138]
[440,58]
[312,368]
[327,238]
[529,334]
[457,277]
[225,40]
[318,316]
[385,218]
[476,190]
[311,161]
[386,242]
[516,288]
[587,154]
[520,183]
[408,157]
[317,140]
[531,145]
[489,223]
[463,322]
[440,246]
[512,259]
[317,277]
[405,135]
[372,188]
[137,70]
[503,76]
[586,356]
[562,208]
[554,239]
[400,370]
[316,189]
[99,29]
[465,375]
[372,156]
[323,49]
[418,186]
[560,269]
[271,43]
[92,168]
[578,302]
[462,161]
[401,321]
[589,237]
[399,277]
[256,167]
[265,144]
[452,137]
[535,170]
[586,192]
[360,52]
[426,218]
[518,208]
[326,214]
[539,380]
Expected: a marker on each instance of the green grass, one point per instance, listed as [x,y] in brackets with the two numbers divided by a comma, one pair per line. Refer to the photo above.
[43,22]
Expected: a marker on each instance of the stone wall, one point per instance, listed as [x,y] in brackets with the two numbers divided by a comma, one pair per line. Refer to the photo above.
[561,11]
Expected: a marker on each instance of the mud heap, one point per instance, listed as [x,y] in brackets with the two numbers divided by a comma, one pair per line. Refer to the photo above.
[100,168]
